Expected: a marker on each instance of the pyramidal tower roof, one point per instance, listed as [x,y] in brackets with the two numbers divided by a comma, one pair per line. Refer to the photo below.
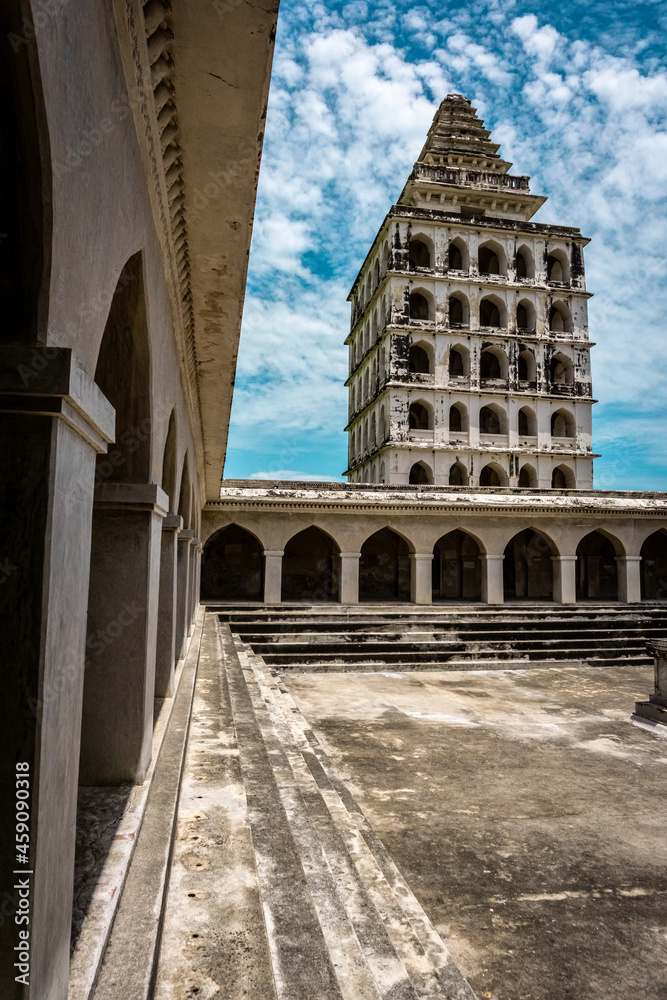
[459,170]
[456,129]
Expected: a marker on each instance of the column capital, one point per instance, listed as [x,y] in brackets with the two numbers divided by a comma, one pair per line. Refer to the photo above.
[186,535]
[563,559]
[172,522]
[350,555]
[417,556]
[492,556]
[276,553]
[628,559]
[132,496]
[51,381]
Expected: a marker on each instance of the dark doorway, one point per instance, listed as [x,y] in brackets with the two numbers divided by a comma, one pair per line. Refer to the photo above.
[384,568]
[232,567]
[654,567]
[457,568]
[420,255]
[419,475]
[597,570]
[528,569]
[310,567]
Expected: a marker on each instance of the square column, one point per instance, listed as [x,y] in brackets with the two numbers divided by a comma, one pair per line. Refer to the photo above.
[54,421]
[421,580]
[493,587]
[349,577]
[629,579]
[273,575]
[193,583]
[165,659]
[565,579]
[183,590]
[119,686]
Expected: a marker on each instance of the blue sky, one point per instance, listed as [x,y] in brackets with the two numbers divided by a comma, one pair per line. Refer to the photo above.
[577,95]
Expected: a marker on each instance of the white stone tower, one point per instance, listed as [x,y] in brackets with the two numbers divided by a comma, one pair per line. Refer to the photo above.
[469,350]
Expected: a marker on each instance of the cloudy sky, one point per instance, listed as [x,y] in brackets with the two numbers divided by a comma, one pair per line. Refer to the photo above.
[576,92]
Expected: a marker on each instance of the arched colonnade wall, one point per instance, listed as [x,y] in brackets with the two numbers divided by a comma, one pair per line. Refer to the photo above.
[568,540]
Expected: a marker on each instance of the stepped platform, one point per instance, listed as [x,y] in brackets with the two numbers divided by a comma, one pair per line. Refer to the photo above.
[375,637]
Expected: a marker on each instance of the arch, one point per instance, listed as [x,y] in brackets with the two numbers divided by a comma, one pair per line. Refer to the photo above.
[561,369]
[563,478]
[560,320]
[597,569]
[493,363]
[527,477]
[527,422]
[458,418]
[563,424]
[492,312]
[458,257]
[169,468]
[123,373]
[372,433]
[420,306]
[310,567]
[457,568]
[526,365]
[185,494]
[420,252]
[525,263]
[459,361]
[458,310]
[420,417]
[420,474]
[232,567]
[420,359]
[654,567]
[525,315]
[458,475]
[491,258]
[384,568]
[528,567]
[558,267]
[383,473]
[492,475]
[492,419]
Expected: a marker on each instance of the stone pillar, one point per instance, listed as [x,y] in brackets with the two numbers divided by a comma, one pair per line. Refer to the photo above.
[493,589]
[273,576]
[421,581]
[565,579]
[193,583]
[53,422]
[349,577]
[629,579]
[654,711]
[183,591]
[119,687]
[165,659]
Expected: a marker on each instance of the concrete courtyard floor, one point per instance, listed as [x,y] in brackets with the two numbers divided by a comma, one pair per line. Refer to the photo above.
[526,813]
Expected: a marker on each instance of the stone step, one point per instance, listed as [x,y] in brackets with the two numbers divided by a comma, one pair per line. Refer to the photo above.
[404,955]
[344,626]
[459,655]
[378,666]
[369,644]
[437,634]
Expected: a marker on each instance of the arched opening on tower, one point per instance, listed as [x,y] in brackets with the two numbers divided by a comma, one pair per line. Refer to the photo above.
[458,362]
[559,319]
[419,307]
[458,310]
[562,424]
[492,420]
[525,315]
[458,418]
[232,567]
[562,370]
[384,568]
[420,475]
[419,417]
[489,314]
[458,475]
[420,254]
[562,478]
[527,477]
[654,567]
[597,569]
[419,362]
[457,256]
[527,366]
[493,363]
[310,567]
[528,567]
[489,261]
[490,475]
[527,422]
[457,568]
[558,268]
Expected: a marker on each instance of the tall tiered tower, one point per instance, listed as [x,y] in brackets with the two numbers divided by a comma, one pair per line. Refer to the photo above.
[469,350]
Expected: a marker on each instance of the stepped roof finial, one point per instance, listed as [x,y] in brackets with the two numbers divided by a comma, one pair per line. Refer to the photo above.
[457,130]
